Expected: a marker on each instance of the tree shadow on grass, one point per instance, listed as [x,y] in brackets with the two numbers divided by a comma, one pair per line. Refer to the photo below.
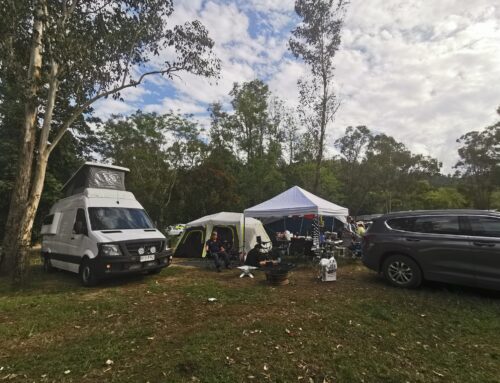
[377,280]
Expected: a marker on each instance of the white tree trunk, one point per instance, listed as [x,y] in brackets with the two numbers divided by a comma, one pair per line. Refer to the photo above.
[19,199]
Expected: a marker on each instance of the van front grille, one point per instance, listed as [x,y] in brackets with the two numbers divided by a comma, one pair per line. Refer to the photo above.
[133,248]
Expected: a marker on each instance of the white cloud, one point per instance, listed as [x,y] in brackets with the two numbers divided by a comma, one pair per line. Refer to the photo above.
[424,72]
[107,107]
[284,81]
[183,106]
[134,94]
[420,71]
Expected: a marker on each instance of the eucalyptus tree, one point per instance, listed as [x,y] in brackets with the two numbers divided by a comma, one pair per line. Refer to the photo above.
[67,54]
[356,175]
[316,41]
[155,148]
[250,120]
[479,164]
[395,170]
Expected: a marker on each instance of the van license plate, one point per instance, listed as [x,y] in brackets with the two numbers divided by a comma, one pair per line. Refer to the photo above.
[146,258]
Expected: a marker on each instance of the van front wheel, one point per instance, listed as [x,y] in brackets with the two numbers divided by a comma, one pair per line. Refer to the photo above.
[87,274]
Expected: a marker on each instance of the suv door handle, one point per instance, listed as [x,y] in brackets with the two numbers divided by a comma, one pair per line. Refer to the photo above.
[487,244]
[413,239]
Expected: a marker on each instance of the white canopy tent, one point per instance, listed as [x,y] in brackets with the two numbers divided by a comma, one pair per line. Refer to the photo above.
[297,201]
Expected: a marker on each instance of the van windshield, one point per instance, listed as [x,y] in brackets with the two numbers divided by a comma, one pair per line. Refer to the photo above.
[117,218]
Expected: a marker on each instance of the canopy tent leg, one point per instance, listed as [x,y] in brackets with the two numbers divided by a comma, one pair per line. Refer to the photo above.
[243,255]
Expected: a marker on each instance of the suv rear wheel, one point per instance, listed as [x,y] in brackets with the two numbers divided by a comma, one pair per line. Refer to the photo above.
[402,271]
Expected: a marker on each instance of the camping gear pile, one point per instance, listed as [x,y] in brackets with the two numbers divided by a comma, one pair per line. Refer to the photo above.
[244,236]
[328,269]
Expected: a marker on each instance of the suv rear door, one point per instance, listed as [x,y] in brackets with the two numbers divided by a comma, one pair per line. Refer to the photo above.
[485,246]
[442,248]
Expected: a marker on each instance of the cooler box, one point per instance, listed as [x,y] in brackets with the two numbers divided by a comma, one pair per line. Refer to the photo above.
[328,269]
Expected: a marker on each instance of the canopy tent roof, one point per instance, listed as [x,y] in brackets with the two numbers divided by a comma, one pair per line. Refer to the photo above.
[297,201]
[223,218]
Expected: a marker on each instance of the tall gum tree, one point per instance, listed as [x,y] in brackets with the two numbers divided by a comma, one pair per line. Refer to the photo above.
[479,164]
[81,52]
[316,40]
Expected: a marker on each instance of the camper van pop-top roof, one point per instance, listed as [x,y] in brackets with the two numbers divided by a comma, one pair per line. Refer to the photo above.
[97,176]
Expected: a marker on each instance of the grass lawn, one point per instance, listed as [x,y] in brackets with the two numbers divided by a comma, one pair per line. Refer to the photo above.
[163,329]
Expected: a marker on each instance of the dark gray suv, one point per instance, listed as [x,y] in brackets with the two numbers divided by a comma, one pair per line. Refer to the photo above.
[455,246]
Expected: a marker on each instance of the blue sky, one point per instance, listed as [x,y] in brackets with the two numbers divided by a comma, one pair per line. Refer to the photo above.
[422,71]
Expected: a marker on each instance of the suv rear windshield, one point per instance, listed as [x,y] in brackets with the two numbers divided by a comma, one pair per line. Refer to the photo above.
[116,218]
[428,224]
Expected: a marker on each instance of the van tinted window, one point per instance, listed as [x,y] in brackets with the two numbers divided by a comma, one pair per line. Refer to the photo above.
[485,226]
[48,219]
[115,218]
[405,224]
[437,225]
[80,226]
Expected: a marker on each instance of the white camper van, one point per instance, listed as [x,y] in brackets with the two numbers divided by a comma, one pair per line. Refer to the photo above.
[99,229]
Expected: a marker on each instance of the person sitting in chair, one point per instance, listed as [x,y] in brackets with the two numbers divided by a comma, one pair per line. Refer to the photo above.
[216,250]
[258,257]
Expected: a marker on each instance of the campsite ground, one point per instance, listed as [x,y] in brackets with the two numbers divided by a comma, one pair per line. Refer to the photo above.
[163,329]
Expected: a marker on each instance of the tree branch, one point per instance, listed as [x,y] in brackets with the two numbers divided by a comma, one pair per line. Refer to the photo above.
[49,109]
[170,70]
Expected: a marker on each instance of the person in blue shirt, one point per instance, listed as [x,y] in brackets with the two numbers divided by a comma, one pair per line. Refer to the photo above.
[216,250]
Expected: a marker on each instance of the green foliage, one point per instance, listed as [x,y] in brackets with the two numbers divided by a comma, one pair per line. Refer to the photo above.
[75,147]
[495,200]
[444,198]
[87,51]
[155,148]
[479,165]
[380,174]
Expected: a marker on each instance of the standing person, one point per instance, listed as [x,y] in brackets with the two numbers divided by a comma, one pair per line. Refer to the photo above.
[361,229]
[351,226]
[216,250]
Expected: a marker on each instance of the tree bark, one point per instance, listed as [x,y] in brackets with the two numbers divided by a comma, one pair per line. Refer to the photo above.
[23,245]
[22,258]
[13,237]
[319,157]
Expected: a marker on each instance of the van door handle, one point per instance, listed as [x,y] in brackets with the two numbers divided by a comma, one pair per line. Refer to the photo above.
[413,239]
[487,244]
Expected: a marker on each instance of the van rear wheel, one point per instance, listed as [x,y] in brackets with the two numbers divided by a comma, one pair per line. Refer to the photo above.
[88,276]
[402,271]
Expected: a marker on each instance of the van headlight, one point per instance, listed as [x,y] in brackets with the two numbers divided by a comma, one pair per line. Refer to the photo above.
[110,250]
